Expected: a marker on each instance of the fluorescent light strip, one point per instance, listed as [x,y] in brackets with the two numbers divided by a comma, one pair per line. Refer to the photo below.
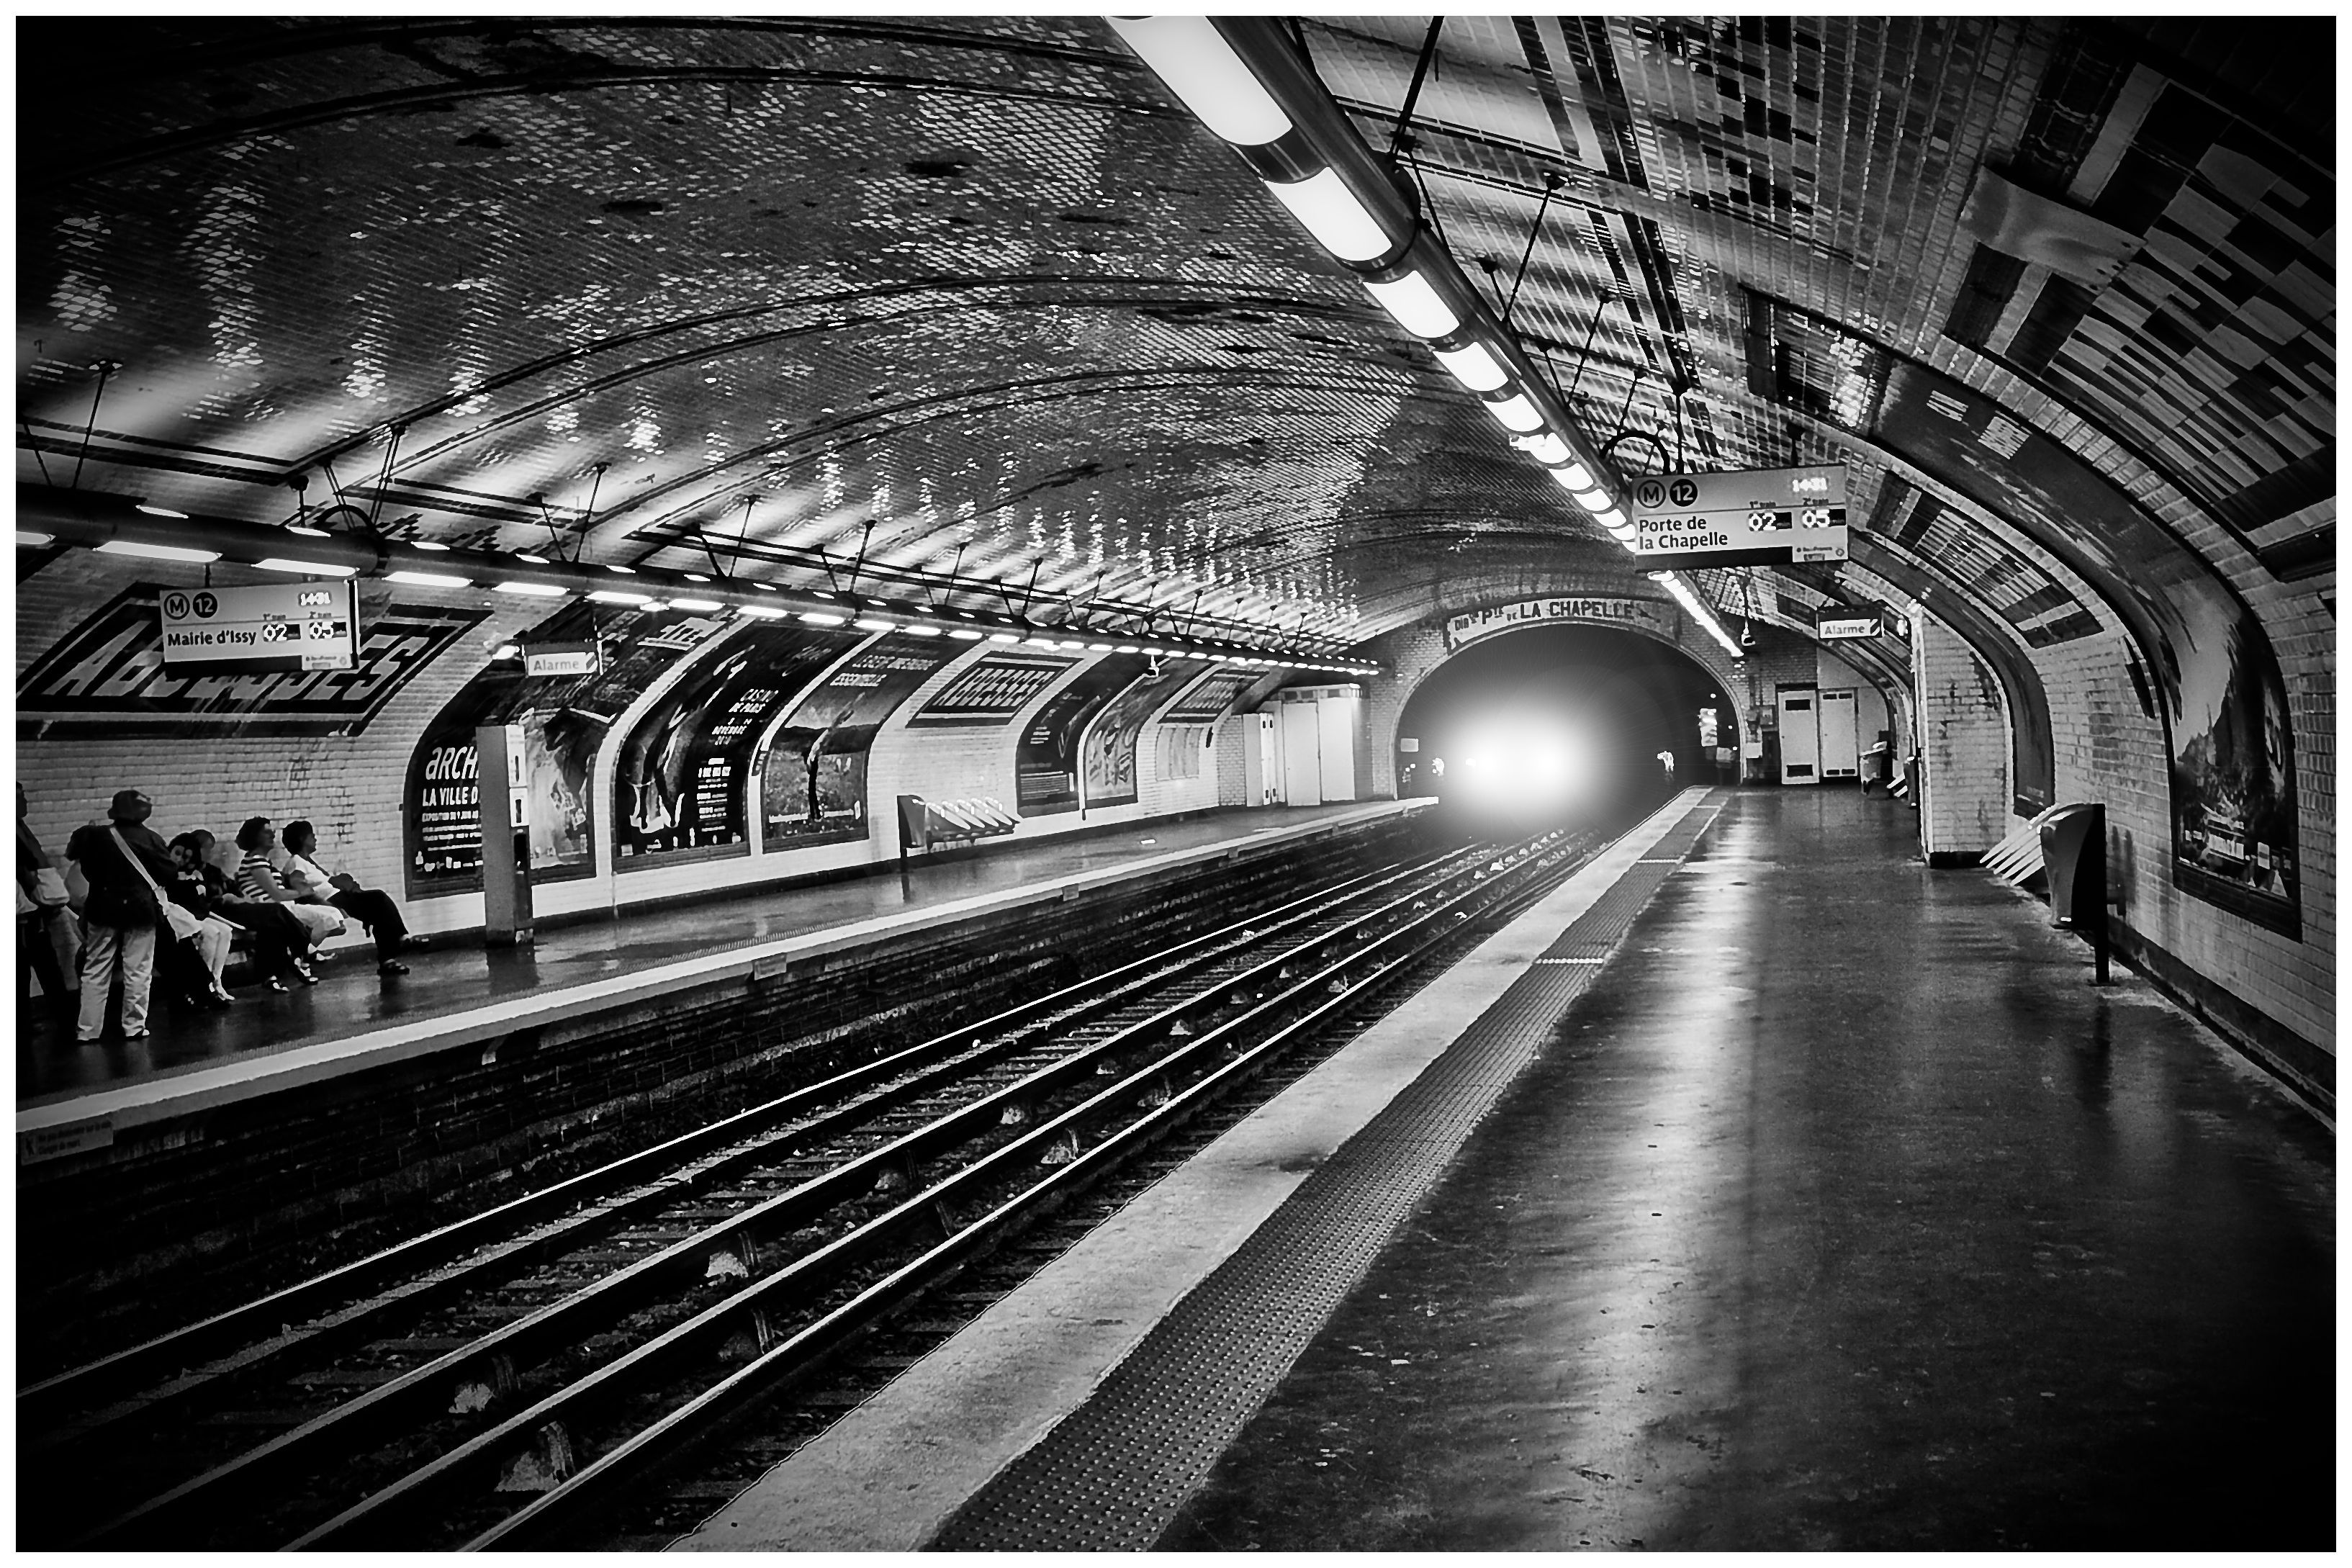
[869,623]
[1328,210]
[1516,414]
[761,612]
[306,568]
[528,590]
[157,551]
[430,579]
[615,597]
[1199,68]
[1474,367]
[26,536]
[1545,448]
[1416,306]
[698,606]
[819,618]
[1698,612]
[963,634]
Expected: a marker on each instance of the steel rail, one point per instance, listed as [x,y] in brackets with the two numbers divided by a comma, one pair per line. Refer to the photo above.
[244,1329]
[592,1490]
[414,1394]
[807,1276]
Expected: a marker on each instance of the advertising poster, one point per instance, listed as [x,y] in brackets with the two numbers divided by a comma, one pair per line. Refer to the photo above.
[1206,702]
[1109,758]
[991,692]
[682,786]
[813,779]
[564,721]
[107,677]
[1045,763]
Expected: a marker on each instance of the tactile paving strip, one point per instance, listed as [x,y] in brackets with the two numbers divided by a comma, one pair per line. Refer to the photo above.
[1112,1476]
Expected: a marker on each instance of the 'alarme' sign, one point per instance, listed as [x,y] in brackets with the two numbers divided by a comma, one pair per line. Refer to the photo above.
[1846,628]
[302,625]
[1753,518]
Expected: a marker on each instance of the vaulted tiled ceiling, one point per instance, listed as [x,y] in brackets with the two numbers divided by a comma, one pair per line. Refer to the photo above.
[974,301]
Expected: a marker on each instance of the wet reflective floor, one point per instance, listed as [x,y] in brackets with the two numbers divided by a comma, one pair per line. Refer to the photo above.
[1844,1214]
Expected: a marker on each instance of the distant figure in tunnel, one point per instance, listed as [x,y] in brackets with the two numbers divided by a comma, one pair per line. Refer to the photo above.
[371,907]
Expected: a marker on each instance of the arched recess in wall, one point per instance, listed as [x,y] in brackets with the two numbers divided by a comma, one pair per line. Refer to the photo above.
[564,719]
[1110,771]
[684,781]
[2216,682]
[2032,756]
[812,756]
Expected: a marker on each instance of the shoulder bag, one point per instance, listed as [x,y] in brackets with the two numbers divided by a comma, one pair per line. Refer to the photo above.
[183,922]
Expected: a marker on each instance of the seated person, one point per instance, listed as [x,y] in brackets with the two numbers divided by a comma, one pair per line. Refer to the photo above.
[198,958]
[279,937]
[371,907]
[259,879]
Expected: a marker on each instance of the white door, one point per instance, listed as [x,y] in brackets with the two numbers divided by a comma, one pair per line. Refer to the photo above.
[1335,725]
[1801,736]
[1302,772]
[1841,735]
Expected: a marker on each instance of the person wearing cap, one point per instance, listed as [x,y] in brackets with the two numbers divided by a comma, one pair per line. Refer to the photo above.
[125,862]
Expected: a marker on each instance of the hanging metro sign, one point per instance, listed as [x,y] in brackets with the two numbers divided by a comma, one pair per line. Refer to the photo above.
[1757,517]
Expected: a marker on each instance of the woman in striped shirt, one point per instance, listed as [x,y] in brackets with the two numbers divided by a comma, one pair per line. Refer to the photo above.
[259,879]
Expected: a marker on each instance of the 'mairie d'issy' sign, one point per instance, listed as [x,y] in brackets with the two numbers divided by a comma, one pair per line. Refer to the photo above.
[1646,614]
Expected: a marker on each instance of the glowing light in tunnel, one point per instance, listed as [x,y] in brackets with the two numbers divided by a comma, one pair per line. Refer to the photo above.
[1328,210]
[1415,305]
[1199,68]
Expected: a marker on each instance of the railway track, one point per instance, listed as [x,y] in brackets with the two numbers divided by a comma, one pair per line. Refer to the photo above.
[501,1380]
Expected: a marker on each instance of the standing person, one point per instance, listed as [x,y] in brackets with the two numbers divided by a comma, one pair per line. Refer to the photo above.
[371,907]
[279,937]
[259,880]
[125,862]
[41,906]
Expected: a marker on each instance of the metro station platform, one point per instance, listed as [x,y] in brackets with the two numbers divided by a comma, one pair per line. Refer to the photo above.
[1824,1205]
[456,992]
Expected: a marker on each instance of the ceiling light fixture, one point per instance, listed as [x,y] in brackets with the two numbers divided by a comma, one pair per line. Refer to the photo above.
[1002,637]
[1328,210]
[530,590]
[157,551]
[698,606]
[305,568]
[819,618]
[25,536]
[1415,305]
[159,510]
[921,631]
[1474,367]
[1545,448]
[429,579]
[1192,57]
[1699,611]
[1515,412]
[870,624]
[615,596]
[307,531]
[437,548]
[761,612]
[963,634]
[624,570]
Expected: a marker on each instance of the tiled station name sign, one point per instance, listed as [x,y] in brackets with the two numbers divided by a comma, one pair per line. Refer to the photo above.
[1647,615]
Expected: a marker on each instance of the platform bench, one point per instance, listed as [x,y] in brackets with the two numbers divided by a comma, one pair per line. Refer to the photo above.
[928,824]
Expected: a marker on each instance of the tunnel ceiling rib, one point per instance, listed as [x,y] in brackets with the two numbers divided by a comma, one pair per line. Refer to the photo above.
[972,307]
